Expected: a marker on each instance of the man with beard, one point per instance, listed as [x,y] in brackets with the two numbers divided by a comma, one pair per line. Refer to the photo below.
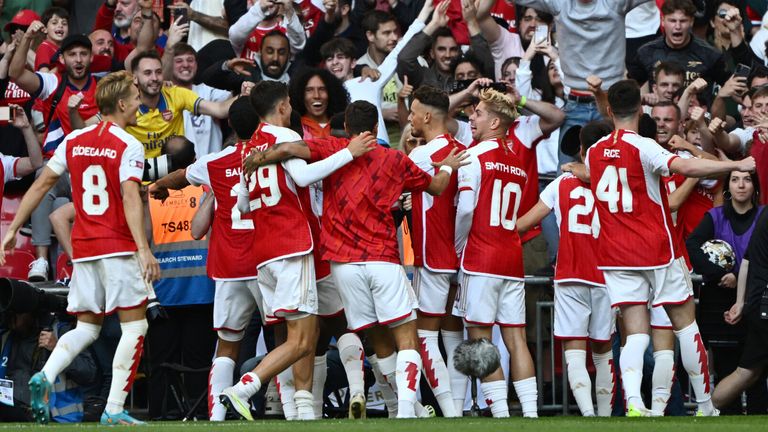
[382,34]
[160,114]
[202,130]
[122,19]
[51,89]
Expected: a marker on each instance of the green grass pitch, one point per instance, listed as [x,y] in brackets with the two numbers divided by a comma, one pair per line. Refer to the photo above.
[546,424]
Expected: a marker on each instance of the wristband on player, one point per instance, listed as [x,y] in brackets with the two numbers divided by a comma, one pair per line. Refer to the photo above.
[521,103]
[446,169]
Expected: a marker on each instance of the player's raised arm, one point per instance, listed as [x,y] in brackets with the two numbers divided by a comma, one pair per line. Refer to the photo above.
[706,167]
[304,174]
[277,153]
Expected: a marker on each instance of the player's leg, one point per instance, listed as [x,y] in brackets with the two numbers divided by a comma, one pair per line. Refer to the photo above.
[395,304]
[674,291]
[432,291]
[664,360]
[494,386]
[384,365]
[601,329]
[510,315]
[630,290]
[284,385]
[572,315]
[233,305]
[452,333]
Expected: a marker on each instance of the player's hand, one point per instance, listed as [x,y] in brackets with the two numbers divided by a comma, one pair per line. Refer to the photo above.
[75,101]
[595,84]
[35,28]
[19,117]
[746,165]
[150,269]
[697,85]
[9,242]
[678,143]
[362,144]
[240,65]
[369,72]
[406,200]
[407,89]
[728,281]
[733,315]
[455,159]
[158,192]
[716,125]
[251,163]
[47,340]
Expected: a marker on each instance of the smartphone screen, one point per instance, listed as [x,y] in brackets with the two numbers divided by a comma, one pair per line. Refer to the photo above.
[541,34]
[5,113]
[181,15]
[742,70]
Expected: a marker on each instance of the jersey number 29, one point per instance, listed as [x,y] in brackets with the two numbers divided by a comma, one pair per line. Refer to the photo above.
[266,178]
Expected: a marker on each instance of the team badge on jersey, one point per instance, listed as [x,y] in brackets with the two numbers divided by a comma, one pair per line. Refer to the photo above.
[167,115]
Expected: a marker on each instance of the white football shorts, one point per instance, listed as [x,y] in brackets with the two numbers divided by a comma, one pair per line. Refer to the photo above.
[432,290]
[105,285]
[583,312]
[486,300]
[288,287]
[667,285]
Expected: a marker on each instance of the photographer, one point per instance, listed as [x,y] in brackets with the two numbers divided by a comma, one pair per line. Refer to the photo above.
[751,305]
[27,340]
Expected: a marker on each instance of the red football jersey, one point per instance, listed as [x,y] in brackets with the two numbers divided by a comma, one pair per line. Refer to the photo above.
[496,177]
[282,229]
[525,134]
[230,254]
[358,199]
[252,46]
[759,151]
[631,201]
[99,158]
[574,207]
[7,172]
[434,218]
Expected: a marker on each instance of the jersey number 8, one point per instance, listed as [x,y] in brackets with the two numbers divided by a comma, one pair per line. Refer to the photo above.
[95,196]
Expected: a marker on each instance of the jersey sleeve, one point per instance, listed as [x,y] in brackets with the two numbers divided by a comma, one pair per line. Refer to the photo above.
[197,173]
[58,162]
[132,162]
[185,100]
[9,167]
[469,175]
[322,148]
[287,135]
[655,158]
[414,178]
[422,160]
[549,196]
[528,131]
[48,84]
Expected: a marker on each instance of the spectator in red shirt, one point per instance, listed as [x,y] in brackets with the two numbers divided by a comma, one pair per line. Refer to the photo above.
[56,22]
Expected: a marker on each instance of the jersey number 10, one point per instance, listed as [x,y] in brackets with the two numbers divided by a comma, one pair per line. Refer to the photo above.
[500,200]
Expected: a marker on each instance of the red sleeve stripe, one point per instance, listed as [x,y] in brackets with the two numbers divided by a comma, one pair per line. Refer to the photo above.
[465,188]
[669,162]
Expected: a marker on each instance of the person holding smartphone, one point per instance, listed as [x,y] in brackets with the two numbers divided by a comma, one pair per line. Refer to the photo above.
[11,167]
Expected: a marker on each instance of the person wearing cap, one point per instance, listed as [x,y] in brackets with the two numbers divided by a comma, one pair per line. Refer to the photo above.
[21,20]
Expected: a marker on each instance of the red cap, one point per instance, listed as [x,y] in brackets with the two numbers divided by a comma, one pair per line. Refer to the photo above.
[23,18]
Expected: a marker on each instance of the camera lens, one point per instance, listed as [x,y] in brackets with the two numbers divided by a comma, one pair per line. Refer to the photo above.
[722,13]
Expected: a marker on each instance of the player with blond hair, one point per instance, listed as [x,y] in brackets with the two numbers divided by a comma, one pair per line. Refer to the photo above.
[113,265]
[490,250]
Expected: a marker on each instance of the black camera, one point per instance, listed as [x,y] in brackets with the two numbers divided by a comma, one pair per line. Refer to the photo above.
[22,297]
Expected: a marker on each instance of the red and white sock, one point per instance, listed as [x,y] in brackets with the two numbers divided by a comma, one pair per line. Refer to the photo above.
[287,390]
[220,378]
[495,394]
[605,383]
[352,357]
[388,390]
[661,382]
[578,378]
[68,347]
[696,363]
[125,363]
[528,395]
[408,373]
[631,363]
[318,384]
[452,339]
[434,369]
